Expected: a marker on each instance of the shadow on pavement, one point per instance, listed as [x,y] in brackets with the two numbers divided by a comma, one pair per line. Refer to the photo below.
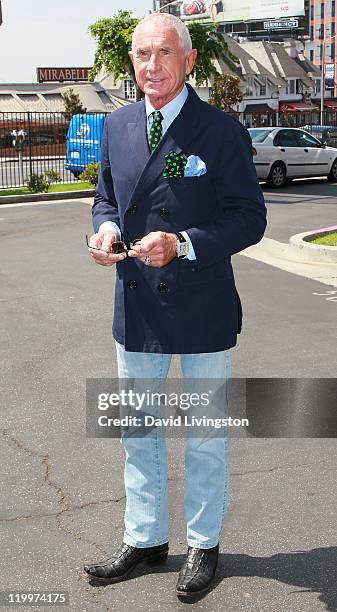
[311,186]
[314,571]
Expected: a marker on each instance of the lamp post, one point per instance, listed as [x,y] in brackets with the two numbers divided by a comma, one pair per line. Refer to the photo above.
[323,74]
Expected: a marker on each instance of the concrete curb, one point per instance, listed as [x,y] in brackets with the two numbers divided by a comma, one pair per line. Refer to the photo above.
[42,197]
[302,250]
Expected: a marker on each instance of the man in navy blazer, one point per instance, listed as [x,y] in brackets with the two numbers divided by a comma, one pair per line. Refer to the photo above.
[178,187]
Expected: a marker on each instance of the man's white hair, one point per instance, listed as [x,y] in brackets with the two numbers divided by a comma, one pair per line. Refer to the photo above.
[169,20]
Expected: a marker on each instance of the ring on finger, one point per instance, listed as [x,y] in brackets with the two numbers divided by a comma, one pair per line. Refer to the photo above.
[147,260]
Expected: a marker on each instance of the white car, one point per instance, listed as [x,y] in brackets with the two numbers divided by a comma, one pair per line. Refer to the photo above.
[281,154]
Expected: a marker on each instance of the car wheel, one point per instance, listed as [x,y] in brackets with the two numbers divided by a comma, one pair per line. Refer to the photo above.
[277,175]
[332,176]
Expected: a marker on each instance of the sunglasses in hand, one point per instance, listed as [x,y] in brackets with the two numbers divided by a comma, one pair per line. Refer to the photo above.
[116,247]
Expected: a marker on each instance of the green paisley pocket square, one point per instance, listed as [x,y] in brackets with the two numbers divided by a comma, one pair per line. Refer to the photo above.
[174,164]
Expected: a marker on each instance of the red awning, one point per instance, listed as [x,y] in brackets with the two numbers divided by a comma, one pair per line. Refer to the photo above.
[331,104]
[297,106]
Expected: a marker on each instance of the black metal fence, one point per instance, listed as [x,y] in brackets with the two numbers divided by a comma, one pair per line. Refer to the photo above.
[35,143]
[290,119]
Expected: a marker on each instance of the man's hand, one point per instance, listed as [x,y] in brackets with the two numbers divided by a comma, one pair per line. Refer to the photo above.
[103,241]
[156,249]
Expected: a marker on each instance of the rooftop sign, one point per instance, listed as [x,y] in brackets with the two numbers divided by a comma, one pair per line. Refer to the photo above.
[59,75]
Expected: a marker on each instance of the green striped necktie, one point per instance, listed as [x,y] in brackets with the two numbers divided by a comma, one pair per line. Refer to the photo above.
[156,130]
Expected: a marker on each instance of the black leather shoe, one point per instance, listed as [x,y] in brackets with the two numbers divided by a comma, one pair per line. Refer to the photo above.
[123,561]
[198,571]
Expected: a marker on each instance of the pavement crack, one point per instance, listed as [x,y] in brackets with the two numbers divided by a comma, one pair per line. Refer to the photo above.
[64,501]
[72,508]
[273,469]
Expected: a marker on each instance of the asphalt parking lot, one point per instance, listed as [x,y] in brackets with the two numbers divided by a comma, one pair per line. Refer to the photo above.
[63,495]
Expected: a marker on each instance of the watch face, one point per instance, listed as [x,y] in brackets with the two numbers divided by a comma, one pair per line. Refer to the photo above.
[182,249]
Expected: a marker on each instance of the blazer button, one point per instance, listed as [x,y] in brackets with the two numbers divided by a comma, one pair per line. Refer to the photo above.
[132,210]
[132,284]
[162,288]
[164,213]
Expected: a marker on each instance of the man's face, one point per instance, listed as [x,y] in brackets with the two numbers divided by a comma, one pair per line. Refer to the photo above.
[160,63]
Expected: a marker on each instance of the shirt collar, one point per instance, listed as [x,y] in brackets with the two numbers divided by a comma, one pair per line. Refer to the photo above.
[171,109]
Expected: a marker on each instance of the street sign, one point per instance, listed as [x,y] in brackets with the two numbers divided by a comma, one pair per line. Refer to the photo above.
[285,24]
[329,75]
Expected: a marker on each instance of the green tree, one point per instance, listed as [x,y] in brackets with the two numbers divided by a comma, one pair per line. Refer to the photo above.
[72,102]
[210,44]
[113,38]
[226,91]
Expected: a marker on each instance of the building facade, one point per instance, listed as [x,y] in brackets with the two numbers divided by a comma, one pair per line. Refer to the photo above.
[321,46]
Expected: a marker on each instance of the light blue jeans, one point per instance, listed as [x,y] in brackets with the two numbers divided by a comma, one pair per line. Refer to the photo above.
[206,464]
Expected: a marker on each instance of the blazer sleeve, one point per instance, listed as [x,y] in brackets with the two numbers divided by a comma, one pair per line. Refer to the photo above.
[105,206]
[240,220]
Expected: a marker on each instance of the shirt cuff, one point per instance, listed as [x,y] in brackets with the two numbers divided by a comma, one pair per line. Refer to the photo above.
[113,227]
[191,253]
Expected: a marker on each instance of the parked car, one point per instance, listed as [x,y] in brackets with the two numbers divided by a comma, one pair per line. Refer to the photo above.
[84,139]
[283,154]
[325,133]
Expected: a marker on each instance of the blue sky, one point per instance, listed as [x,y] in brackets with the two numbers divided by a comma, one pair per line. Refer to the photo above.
[45,33]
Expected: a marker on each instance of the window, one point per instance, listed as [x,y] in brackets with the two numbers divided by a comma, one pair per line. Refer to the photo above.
[286,138]
[312,12]
[305,140]
[258,135]
[311,55]
[321,31]
[322,10]
[311,32]
[6,140]
[299,86]
[317,86]
[291,87]
[333,51]
[42,137]
[333,9]
[263,86]
[250,86]
[333,28]
[129,89]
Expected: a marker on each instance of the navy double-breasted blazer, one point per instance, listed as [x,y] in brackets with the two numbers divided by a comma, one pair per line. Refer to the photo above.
[186,306]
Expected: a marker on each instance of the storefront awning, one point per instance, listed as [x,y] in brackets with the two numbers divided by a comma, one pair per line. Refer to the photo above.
[258,108]
[331,104]
[294,107]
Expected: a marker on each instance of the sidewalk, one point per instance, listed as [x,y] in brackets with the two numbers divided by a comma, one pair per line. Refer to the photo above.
[280,255]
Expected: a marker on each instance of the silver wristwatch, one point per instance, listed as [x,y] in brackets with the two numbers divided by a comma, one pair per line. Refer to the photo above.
[182,246]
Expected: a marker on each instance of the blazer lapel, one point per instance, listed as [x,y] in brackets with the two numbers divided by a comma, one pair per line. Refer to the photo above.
[139,148]
[182,131]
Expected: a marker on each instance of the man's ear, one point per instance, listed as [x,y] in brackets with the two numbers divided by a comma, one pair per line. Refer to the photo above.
[190,60]
[131,56]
